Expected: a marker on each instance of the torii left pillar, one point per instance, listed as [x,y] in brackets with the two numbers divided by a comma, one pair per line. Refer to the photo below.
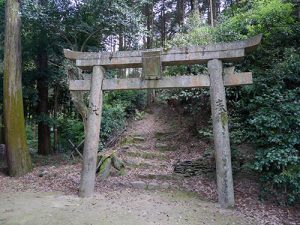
[91,142]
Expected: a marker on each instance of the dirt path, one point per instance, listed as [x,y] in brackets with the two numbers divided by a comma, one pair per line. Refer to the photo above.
[151,146]
[127,207]
[148,193]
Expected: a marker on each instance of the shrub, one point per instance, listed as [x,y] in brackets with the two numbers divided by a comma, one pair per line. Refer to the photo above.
[69,128]
[116,107]
[129,99]
[274,121]
[113,119]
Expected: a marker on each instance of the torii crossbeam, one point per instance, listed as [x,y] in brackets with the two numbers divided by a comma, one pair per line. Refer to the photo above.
[152,61]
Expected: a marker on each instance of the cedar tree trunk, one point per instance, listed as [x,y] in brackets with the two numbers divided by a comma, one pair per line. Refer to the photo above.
[44,146]
[18,157]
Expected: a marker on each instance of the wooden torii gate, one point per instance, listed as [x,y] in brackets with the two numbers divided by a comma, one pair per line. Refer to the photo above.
[152,61]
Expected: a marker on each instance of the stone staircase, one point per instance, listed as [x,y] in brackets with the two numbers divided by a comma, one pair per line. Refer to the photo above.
[147,160]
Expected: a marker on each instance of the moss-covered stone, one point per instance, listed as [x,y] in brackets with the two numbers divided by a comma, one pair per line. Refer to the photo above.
[130,140]
[164,147]
[105,167]
[160,176]
[160,135]
[146,155]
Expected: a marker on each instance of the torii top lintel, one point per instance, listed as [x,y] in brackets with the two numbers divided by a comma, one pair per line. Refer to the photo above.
[227,52]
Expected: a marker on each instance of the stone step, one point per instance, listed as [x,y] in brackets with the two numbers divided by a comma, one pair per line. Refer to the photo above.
[133,147]
[145,155]
[163,147]
[150,185]
[142,163]
[132,139]
[160,176]
[165,135]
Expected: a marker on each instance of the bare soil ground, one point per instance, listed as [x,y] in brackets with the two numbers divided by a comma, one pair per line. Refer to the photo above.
[124,207]
[149,147]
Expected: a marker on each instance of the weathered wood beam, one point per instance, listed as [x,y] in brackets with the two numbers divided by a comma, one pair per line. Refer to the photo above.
[165,82]
[233,51]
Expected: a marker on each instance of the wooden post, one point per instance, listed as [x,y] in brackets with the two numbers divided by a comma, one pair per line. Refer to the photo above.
[91,142]
[221,134]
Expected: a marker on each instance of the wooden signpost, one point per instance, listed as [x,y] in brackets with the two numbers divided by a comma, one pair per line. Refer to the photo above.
[152,61]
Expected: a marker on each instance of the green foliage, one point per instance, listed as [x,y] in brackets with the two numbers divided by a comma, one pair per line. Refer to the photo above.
[88,25]
[69,128]
[267,113]
[130,99]
[113,120]
[205,134]
[31,135]
[255,17]
[139,115]
[117,106]
[275,127]
[195,34]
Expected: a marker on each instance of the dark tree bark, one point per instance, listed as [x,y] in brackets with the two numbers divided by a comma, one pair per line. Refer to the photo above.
[163,24]
[18,157]
[44,146]
[121,41]
[44,141]
[195,6]
[55,110]
[148,11]
[149,16]
[297,8]
[122,72]
[2,137]
[212,12]
[180,12]
[192,5]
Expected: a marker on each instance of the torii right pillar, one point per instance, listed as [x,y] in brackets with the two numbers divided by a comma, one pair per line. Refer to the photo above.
[221,134]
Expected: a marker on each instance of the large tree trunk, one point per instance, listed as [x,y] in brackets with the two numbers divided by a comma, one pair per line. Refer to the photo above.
[18,157]
[163,24]
[2,140]
[212,12]
[44,146]
[55,110]
[180,12]
[149,25]
[195,7]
